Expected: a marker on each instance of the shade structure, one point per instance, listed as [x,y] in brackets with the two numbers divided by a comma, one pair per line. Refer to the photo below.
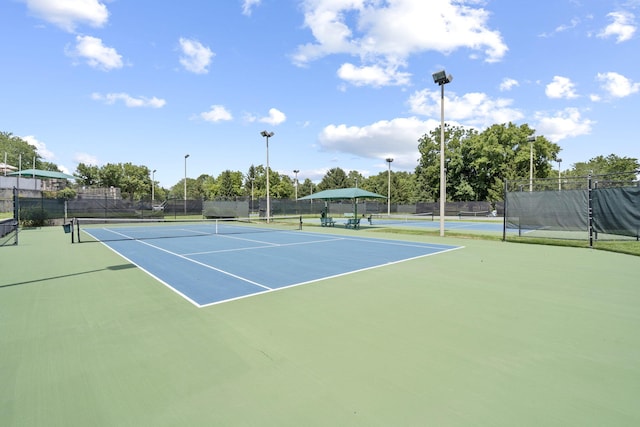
[4,167]
[39,173]
[344,193]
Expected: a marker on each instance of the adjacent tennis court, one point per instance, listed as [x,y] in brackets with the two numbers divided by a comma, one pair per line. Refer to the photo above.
[209,262]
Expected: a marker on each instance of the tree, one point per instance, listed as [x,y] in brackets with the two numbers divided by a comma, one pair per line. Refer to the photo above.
[88,175]
[229,184]
[601,165]
[306,188]
[477,164]
[335,178]
[18,152]
[355,179]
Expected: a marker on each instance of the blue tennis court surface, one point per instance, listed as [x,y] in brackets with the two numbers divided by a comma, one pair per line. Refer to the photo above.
[211,269]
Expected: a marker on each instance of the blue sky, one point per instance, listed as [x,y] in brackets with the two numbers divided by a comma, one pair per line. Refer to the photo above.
[340,83]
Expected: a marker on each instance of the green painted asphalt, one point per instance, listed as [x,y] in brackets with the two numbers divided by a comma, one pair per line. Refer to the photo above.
[495,334]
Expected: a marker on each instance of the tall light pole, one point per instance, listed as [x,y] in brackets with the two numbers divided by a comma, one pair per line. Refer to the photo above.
[559,175]
[389,160]
[441,78]
[153,188]
[251,178]
[267,135]
[296,183]
[531,140]
[186,156]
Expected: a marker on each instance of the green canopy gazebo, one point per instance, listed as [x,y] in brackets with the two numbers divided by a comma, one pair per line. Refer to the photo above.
[354,193]
[39,173]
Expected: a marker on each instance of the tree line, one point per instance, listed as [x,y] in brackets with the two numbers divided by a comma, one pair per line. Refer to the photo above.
[476,164]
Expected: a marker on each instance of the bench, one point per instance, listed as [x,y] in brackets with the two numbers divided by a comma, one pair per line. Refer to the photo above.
[352,223]
[327,222]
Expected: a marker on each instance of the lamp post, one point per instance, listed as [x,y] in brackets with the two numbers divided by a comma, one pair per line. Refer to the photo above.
[251,209]
[296,183]
[185,183]
[267,135]
[441,78]
[531,140]
[389,160]
[153,188]
[559,175]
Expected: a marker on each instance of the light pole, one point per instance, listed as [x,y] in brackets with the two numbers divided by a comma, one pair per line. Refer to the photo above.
[185,183]
[559,175]
[531,140]
[441,78]
[267,135]
[296,183]
[153,188]
[251,209]
[389,160]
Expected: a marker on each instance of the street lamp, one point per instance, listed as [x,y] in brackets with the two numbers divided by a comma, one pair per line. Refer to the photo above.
[296,183]
[531,140]
[185,183]
[441,78]
[559,176]
[153,188]
[389,160]
[267,135]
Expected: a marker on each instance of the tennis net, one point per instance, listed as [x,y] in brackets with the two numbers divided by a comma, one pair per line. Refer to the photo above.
[112,229]
[400,219]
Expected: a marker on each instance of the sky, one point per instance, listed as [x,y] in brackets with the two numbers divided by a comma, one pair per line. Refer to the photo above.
[340,83]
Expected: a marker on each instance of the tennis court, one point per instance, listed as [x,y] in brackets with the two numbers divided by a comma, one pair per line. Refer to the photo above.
[210,262]
[495,334]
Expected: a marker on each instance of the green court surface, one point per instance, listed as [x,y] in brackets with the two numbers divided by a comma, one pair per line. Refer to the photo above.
[495,334]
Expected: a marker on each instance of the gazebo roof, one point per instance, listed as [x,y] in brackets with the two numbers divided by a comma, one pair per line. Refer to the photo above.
[39,173]
[343,193]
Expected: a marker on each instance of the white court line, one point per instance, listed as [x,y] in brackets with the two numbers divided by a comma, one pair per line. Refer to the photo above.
[267,246]
[329,277]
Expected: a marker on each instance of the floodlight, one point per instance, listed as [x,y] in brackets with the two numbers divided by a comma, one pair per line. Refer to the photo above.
[442,78]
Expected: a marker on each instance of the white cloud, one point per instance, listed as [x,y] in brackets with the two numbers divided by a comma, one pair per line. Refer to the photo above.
[87,159]
[217,113]
[129,101]
[195,56]
[617,85]
[40,146]
[397,138]
[248,5]
[385,34]
[562,28]
[623,26]
[96,54]
[564,124]
[374,75]
[561,87]
[68,14]
[508,84]
[275,117]
[473,109]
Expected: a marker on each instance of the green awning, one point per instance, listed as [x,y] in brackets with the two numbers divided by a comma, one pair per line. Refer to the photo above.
[38,173]
[343,193]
